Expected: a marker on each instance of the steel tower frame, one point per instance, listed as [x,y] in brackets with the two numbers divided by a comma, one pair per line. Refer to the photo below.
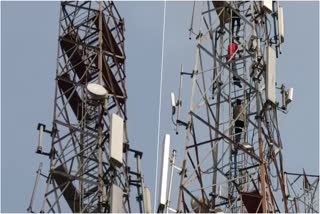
[302,192]
[218,173]
[81,176]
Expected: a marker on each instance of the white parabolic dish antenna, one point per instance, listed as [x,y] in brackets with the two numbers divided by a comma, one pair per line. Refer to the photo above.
[96,91]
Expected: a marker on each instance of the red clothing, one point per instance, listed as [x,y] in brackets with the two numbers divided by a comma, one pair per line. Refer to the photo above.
[232,49]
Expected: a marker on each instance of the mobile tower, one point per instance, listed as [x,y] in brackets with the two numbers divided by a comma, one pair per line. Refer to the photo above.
[232,159]
[89,150]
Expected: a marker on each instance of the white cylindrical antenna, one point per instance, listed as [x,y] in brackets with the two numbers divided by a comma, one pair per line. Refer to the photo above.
[172,164]
[173,103]
[164,172]
[35,188]
[280,24]
[40,138]
[147,200]
[290,95]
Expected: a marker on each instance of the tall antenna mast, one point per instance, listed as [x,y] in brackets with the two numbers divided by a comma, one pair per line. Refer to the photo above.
[89,151]
[232,160]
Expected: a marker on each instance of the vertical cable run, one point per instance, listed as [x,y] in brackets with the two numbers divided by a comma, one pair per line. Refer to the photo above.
[160,99]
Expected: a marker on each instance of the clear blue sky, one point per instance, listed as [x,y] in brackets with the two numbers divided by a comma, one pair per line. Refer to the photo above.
[29,45]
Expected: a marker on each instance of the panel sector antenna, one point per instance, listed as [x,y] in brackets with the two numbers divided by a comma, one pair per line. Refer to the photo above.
[231,159]
[90,165]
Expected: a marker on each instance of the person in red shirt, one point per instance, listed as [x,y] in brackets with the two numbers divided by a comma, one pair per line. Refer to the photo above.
[232,52]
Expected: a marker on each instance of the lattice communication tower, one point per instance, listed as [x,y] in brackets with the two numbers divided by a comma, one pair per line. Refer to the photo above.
[89,151]
[233,158]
